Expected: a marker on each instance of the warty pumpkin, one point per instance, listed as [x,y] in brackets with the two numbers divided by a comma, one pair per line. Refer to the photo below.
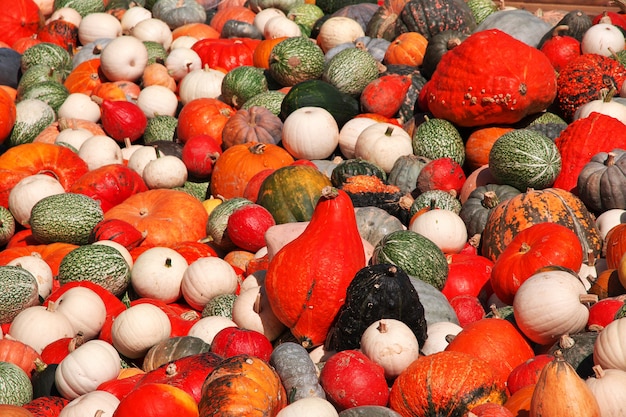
[470,87]
[319,266]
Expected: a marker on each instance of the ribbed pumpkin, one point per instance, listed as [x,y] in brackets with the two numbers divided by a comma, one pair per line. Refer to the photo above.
[474,85]
[84,78]
[538,206]
[581,140]
[602,180]
[306,280]
[479,204]
[256,124]
[290,193]
[447,384]
[239,163]
[20,19]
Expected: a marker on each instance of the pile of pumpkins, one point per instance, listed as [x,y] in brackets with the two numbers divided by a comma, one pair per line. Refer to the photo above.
[311,208]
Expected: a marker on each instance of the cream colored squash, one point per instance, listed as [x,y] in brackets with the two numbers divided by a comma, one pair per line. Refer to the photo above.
[309,407]
[337,30]
[207,278]
[167,171]
[84,309]
[383,143]
[444,227]
[100,150]
[98,26]
[438,333]
[38,326]
[124,59]
[153,30]
[40,270]
[138,328]
[94,403]
[310,133]
[158,273]
[251,310]
[79,106]
[200,83]
[207,327]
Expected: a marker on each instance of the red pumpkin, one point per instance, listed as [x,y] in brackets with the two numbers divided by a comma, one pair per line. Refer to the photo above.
[46,406]
[19,19]
[561,49]
[527,373]
[192,250]
[60,32]
[121,387]
[251,192]
[474,85]
[468,274]
[319,265]
[538,246]
[110,185]
[56,351]
[203,116]
[603,312]
[226,54]
[507,348]
[118,231]
[468,309]
[232,341]
[157,400]
[385,94]
[199,155]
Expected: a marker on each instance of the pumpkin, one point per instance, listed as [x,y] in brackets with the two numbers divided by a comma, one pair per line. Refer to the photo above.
[406,49]
[307,307]
[238,164]
[226,54]
[480,202]
[255,124]
[577,349]
[236,12]
[158,399]
[531,249]
[446,383]
[538,206]
[606,386]
[21,19]
[608,351]
[600,180]
[430,18]
[8,115]
[147,210]
[173,348]
[489,92]
[203,116]
[614,245]
[437,46]
[559,388]
[18,353]
[583,78]
[242,384]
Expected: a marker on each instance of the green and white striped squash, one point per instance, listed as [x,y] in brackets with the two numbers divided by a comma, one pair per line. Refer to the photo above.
[37,74]
[160,127]
[66,217]
[7,225]
[351,70]
[52,93]
[83,7]
[15,385]
[100,264]
[48,54]
[438,138]
[242,83]
[294,60]
[19,290]
[32,117]
[525,158]
[305,15]
[436,199]
[417,255]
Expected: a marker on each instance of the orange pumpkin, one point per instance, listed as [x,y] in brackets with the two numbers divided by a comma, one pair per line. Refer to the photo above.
[109,91]
[19,19]
[20,354]
[32,158]
[158,74]
[519,402]
[242,385]
[239,163]
[261,54]
[479,143]
[407,48]
[195,30]
[166,216]
[8,113]
[240,13]
[445,383]
[203,116]
[8,410]
[51,253]
[155,400]
[607,284]
[84,78]
[615,245]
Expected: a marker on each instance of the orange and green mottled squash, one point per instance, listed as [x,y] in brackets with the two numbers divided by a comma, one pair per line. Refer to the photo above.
[445,384]
[539,206]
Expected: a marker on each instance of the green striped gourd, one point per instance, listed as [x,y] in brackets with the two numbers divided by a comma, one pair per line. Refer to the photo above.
[15,385]
[294,60]
[101,264]
[83,7]
[52,93]
[48,54]
[271,100]
[19,290]
[66,217]
[32,117]
[351,70]
[242,83]
[220,305]
[438,138]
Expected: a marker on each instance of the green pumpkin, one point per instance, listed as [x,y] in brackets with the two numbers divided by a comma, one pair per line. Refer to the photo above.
[351,70]
[15,385]
[271,100]
[294,60]
[290,193]
[19,290]
[242,83]
[405,170]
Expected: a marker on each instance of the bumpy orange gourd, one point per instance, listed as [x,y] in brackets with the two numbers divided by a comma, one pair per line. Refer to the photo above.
[306,280]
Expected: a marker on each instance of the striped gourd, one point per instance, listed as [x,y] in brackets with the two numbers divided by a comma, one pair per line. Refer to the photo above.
[15,385]
[19,290]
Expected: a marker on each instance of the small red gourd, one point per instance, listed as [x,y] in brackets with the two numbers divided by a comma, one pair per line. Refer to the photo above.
[468,309]
[527,373]
[468,274]
[561,49]
[306,280]
[232,341]
[119,231]
[122,119]
[603,312]
[385,94]
[247,225]
[199,155]
[441,174]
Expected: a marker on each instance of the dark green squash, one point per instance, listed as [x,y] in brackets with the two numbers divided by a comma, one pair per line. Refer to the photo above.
[430,17]
[405,170]
[575,23]
[350,167]
[173,348]
[376,291]
[577,350]
[602,181]
[437,47]
[480,202]
[290,193]
[331,6]
[318,93]
[42,379]
[374,223]
[239,29]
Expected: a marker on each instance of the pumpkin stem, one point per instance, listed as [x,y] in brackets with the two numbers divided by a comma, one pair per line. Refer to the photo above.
[566,341]
[607,94]
[588,298]
[449,338]
[40,365]
[490,200]
[474,241]
[598,371]
[558,355]
[595,328]
[101,412]
[168,262]
[171,369]
[257,304]
[610,159]
[329,192]
[76,341]
[190,315]
[257,148]
[382,327]
[389,131]
[494,311]
[525,247]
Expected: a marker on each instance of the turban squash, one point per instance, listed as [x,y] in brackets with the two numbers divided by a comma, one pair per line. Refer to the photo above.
[476,85]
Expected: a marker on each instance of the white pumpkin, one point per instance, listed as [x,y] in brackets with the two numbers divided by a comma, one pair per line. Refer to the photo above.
[207,327]
[138,328]
[251,310]
[550,304]
[609,349]
[608,387]
[185,41]
[63,13]
[390,343]
[98,26]
[438,333]
[86,367]
[281,26]
[337,30]
[181,61]
[132,16]
[124,59]
[153,30]
[383,143]
[607,107]
[350,132]
[206,278]
[79,106]
[200,83]
[28,191]
[310,133]
[602,39]
[309,407]
[609,219]
[158,100]
[100,150]
[38,326]
[166,171]
[40,270]
[95,403]
[73,137]
[84,308]
[263,16]
[158,273]
[140,158]
[444,227]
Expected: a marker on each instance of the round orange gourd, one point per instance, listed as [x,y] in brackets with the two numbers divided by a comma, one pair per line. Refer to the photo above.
[166,216]
[479,143]
[84,78]
[261,54]
[407,48]
[203,116]
[239,163]
[157,400]
[195,30]
[240,13]
[615,245]
[8,113]
[519,402]
[8,410]
[109,91]
[445,383]
[52,253]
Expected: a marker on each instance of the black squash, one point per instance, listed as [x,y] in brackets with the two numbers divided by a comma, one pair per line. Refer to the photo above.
[430,17]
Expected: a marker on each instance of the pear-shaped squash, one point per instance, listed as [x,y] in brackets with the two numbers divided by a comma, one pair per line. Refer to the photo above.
[306,280]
